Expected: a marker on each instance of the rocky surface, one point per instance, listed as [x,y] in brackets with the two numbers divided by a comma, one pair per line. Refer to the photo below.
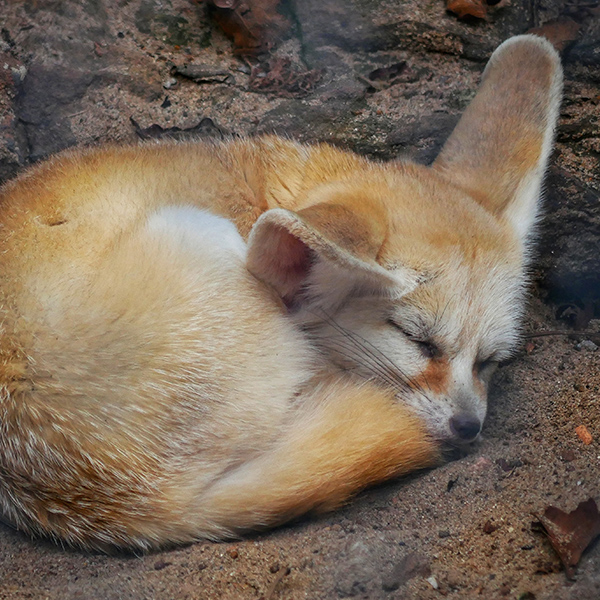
[388,79]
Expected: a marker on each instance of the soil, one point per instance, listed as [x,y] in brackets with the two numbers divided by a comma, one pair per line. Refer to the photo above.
[386,79]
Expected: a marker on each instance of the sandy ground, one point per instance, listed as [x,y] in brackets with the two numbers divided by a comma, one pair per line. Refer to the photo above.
[78,72]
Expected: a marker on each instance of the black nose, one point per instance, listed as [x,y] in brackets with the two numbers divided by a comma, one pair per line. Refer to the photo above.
[465,428]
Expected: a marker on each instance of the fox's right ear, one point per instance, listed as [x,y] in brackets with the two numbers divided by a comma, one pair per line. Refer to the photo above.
[499,150]
[327,246]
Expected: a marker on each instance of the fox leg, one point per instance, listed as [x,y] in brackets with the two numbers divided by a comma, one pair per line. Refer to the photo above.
[343,438]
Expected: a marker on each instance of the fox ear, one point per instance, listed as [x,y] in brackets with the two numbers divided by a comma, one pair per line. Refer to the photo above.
[325,243]
[499,150]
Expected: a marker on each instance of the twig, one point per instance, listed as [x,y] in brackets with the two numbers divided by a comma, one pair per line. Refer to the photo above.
[282,573]
[557,332]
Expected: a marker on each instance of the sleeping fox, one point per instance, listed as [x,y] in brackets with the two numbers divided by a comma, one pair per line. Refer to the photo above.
[200,339]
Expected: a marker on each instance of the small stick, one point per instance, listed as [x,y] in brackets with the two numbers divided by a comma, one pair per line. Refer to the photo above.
[282,573]
[557,332]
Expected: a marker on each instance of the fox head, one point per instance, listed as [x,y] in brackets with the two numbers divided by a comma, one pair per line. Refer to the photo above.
[414,276]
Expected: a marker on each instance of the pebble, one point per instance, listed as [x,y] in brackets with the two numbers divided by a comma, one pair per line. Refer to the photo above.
[490,527]
[160,564]
[481,464]
[169,83]
[587,345]
[584,435]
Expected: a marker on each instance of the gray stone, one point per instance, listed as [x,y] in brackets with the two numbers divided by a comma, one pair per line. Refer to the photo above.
[587,346]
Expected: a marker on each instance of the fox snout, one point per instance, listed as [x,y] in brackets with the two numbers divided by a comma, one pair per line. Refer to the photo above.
[465,427]
[463,422]
[468,399]
[464,399]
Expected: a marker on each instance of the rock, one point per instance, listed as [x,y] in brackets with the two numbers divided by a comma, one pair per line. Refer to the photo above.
[587,346]
[13,142]
[428,134]
[367,568]
[170,26]
[376,25]
[567,259]
[46,99]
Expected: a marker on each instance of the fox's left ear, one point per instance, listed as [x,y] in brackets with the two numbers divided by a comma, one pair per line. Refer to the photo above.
[499,150]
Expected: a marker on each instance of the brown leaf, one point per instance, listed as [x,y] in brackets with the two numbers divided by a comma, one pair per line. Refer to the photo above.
[254,25]
[584,435]
[571,533]
[559,32]
[468,8]
[278,76]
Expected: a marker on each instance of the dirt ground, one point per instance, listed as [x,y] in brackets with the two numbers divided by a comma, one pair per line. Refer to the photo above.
[387,79]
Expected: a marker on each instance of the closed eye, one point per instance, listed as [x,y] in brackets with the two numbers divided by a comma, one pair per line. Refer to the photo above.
[428,348]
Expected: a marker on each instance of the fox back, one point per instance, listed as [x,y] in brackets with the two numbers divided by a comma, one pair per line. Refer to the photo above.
[199,340]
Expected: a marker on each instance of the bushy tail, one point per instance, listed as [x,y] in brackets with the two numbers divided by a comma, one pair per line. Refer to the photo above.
[343,439]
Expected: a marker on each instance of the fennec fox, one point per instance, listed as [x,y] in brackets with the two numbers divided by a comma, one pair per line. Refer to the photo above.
[204,339]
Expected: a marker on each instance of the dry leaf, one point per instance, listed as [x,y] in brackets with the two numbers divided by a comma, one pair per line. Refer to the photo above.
[571,533]
[468,8]
[278,76]
[254,25]
[560,32]
[584,435]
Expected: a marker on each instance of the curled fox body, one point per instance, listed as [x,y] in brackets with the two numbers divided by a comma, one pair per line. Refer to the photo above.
[204,339]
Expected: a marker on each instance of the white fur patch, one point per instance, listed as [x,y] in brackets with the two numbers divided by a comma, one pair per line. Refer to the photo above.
[198,231]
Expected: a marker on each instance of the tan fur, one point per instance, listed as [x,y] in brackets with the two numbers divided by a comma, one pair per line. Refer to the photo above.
[204,339]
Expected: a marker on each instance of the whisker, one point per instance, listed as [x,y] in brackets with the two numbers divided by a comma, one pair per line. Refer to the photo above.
[362,343]
[384,363]
[383,360]
[376,356]
[373,366]
[439,317]
[360,350]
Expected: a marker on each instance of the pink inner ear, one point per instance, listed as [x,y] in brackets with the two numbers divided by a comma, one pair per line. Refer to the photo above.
[292,263]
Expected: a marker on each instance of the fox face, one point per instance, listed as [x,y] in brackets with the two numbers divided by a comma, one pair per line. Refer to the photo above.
[439,312]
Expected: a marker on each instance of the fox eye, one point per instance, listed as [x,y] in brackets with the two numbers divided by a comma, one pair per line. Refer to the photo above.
[428,349]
